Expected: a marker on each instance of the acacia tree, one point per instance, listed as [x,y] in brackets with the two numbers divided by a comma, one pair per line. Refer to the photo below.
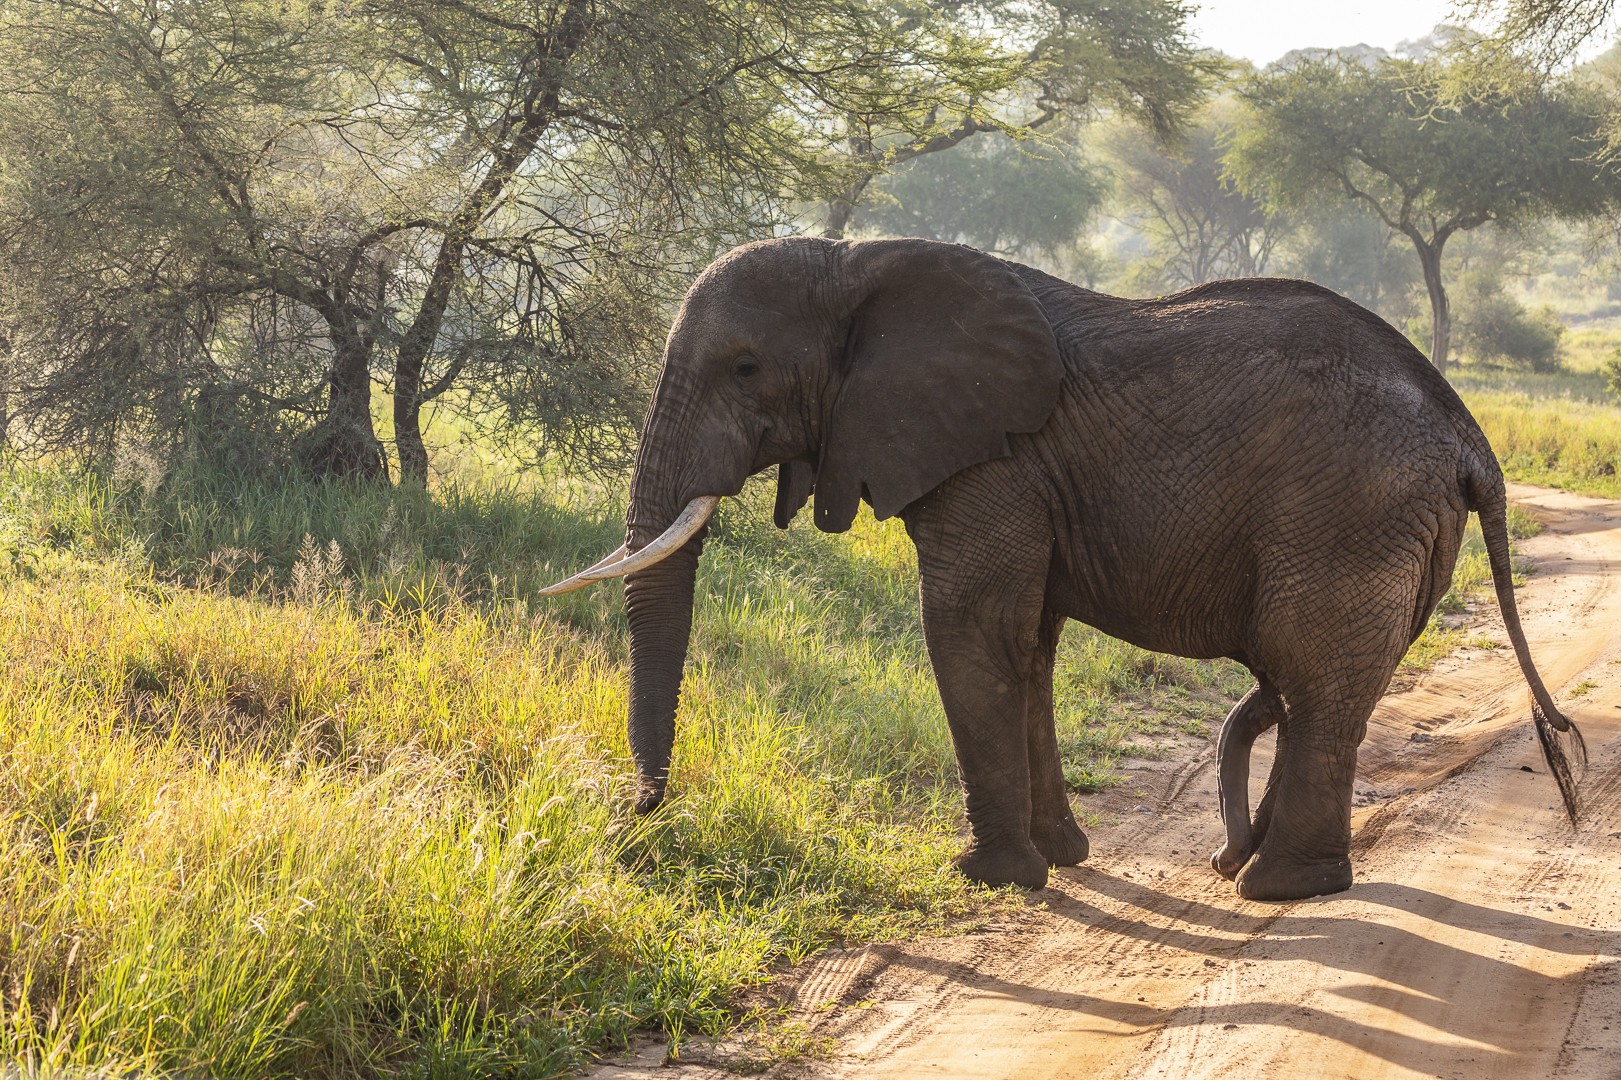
[140,230]
[600,154]
[274,206]
[1545,31]
[1390,134]
[1344,246]
[1041,60]
[1201,225]
[997,194]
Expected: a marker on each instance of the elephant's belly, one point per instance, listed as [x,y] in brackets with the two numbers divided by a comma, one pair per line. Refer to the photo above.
[1182,615]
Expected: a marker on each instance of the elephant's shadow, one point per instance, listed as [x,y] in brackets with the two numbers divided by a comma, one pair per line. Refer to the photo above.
[1357,945]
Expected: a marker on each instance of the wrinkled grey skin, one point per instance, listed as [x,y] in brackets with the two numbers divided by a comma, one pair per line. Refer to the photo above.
[1256,469]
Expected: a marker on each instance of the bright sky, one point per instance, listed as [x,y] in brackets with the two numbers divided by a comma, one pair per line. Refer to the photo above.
[1263,30]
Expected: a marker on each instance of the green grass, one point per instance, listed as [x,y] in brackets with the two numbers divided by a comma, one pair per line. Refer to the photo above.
[1557,442]
[1584,349]
[1560,429]
[305,779]
[1558,389]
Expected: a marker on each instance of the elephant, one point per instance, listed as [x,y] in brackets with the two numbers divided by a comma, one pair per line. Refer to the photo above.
[1257,469]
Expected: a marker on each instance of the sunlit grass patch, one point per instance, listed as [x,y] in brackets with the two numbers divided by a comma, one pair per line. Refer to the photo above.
[1113,701]
[1561,430]
[366,817]
[306,780]
[455,881]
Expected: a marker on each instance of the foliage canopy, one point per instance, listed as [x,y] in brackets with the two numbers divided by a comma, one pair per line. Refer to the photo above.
[1389,133]
[275,209]
[994,193]
[1200,224]
[1067,59]
[275,204]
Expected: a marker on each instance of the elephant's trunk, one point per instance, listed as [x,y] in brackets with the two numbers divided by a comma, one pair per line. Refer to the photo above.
[658,603]
[658,598]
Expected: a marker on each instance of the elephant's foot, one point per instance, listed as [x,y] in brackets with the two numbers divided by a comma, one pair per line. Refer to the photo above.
[1005,865]
[1228,860]
[1276,877]
[1061,842]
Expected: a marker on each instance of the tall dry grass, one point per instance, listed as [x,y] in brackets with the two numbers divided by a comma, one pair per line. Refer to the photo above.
[1561,429]
[303,779]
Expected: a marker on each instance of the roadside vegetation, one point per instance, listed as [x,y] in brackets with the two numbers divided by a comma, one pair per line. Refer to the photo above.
[1560,428]
[304,779]
[1555,441]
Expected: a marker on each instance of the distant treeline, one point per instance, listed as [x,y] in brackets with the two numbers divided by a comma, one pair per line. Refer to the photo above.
[274,234]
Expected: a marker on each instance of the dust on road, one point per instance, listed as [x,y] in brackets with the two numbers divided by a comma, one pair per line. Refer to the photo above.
[1482,936]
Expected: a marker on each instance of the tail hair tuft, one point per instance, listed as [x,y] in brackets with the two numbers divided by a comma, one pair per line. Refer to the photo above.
[1554,752]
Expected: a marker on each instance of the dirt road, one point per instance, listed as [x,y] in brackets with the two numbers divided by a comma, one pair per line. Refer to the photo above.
[1482,937]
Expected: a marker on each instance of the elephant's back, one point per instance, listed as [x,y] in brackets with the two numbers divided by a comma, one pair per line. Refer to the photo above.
[1268,360]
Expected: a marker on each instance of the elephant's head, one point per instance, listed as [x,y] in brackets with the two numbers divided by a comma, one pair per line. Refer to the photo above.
[871,369]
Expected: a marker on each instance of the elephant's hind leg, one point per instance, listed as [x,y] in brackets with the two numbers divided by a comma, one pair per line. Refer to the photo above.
[1304,845]
[1330,652]
[1261,709]
[1306,849]
[1053,828]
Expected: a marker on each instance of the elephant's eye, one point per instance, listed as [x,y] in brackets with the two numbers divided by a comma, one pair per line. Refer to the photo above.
[747,368]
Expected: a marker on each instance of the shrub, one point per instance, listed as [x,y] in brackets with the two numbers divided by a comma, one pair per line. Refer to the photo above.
[1612,372]
[1494,328]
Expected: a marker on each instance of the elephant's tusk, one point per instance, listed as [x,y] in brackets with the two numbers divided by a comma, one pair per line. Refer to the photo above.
[680,531]
[568,585]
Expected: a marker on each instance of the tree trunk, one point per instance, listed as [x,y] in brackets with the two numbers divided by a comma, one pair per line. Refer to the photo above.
[408,444]
[839,213]
[409,394]
[408,401]
[1429,257]
[842,207]
[568,33]
[5,394]
[344,443]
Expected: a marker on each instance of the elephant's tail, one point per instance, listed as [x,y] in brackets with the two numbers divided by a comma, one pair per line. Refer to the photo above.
[1486,496]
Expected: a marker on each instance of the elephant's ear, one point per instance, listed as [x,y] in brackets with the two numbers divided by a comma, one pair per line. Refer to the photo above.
[948,353]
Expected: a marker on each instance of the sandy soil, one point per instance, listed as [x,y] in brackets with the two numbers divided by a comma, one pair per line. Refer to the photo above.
[1479,940]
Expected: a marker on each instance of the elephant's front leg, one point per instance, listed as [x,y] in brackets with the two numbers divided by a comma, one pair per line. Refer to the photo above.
[1053,828]
[982,611]
[984,698]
